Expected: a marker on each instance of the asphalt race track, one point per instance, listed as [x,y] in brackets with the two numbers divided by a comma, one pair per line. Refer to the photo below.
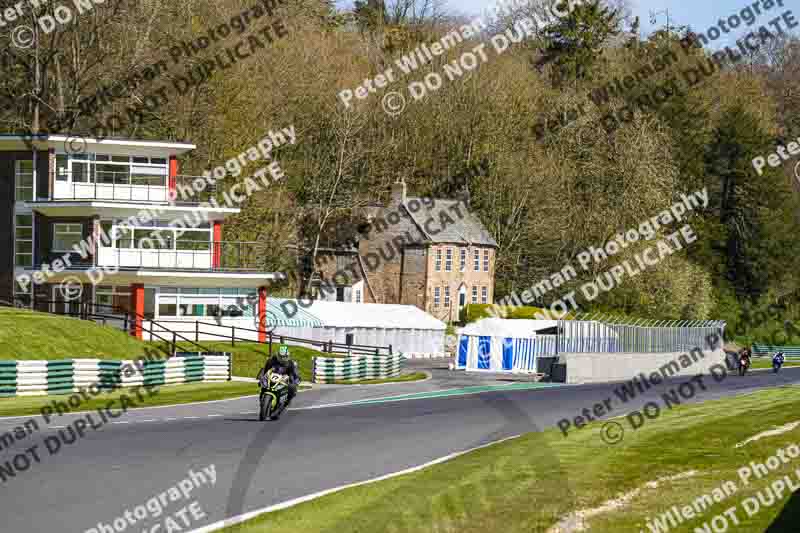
[124,464]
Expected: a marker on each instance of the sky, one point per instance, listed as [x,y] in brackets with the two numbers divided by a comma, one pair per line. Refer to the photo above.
[699,14]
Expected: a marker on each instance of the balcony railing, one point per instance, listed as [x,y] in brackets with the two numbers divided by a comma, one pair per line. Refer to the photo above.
[126,187]
[219,256]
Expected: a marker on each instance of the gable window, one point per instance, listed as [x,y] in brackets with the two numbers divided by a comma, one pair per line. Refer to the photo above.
[486,260]
[438,260]
[477,261]
[447,296]
[23,181]
[448,264]
[463,261]
[65,236]
[474,294]
[484,295]
[23,240]
[437,296]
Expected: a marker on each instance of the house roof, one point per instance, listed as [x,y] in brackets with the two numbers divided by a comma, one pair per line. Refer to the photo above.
[467,228]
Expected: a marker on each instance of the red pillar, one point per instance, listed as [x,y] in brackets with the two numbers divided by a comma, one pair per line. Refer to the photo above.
[137,307]
[262,314]
[173,173]
[216,259]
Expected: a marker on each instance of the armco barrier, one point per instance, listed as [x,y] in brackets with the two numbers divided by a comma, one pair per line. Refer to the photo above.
[355,368]
[41,378]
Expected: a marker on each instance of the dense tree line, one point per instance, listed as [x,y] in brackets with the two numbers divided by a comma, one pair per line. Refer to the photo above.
[545,198]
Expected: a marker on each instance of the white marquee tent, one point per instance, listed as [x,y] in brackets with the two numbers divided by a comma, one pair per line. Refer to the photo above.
[510,345]
[406,328]
[504,345]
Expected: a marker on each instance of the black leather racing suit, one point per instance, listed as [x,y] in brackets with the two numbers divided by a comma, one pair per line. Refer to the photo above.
[288,369]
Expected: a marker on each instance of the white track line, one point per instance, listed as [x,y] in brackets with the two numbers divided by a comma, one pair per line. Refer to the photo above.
[238,519]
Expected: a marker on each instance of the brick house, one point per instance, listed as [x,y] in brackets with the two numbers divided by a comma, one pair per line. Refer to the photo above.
[431,253]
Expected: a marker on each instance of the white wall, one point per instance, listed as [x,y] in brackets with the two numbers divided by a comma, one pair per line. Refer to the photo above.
[606,367]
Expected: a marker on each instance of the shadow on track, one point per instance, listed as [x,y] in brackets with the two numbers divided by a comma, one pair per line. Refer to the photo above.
[789,519]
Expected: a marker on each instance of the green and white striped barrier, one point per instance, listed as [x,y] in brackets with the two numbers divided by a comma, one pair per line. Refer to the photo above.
[41,378]
[356,368]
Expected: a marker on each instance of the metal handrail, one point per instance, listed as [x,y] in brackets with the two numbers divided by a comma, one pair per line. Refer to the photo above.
[327,346]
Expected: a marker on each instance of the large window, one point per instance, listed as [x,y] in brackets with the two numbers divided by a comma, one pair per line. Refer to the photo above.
[23,240]
[486,260]
[161,237]
[447,296]
[448,264]
[23,174]
[474,294]
[484,295]
[438,260]
[65,236]
[437,296]
[112,169]
[193,240]
[23,293]
[463,265]
[199,303]
[112,299]
[476,266]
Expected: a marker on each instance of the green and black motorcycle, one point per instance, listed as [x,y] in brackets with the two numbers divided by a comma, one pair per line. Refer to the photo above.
[274,396]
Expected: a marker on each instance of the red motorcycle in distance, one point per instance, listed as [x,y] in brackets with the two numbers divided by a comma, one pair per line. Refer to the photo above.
[744,363]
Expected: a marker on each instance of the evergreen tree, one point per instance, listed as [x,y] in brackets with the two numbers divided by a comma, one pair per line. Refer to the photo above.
[746,199]
[573,44]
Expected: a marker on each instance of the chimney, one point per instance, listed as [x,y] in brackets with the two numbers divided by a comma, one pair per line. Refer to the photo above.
[398,192]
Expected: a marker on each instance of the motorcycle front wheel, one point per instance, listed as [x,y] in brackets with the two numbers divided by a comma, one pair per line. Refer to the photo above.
[264,410]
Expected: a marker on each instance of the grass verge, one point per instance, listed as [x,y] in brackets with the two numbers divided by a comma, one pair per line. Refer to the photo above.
[767,363]
[167,395]
[26,334]
[531,483]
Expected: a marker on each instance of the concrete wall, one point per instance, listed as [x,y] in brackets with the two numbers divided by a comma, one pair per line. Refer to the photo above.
[607,367]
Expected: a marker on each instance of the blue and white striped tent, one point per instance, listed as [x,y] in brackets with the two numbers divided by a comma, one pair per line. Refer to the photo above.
[503,345]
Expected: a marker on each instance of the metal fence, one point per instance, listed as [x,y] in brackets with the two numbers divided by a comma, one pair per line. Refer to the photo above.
[609,334]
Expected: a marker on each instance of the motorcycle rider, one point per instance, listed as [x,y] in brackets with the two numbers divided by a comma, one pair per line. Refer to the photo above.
[282,363]
[744,359]
[777,361]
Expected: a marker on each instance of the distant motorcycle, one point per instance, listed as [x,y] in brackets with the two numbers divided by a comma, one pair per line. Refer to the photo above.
[744,364]
[274,397]
[777,362]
